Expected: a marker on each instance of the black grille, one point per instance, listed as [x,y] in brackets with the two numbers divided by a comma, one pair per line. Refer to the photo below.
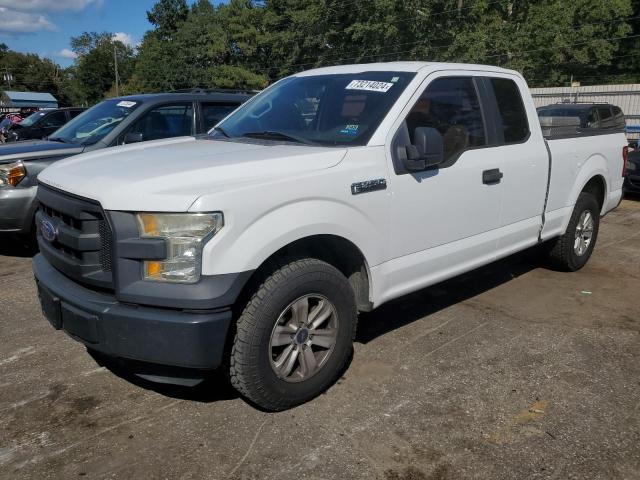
[105,245]
[81,246]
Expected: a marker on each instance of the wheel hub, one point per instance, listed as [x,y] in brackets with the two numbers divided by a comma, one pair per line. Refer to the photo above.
[303,338]
[583,233]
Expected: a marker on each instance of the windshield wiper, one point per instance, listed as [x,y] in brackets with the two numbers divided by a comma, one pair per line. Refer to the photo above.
[221,130]
[59,139]
[273,135]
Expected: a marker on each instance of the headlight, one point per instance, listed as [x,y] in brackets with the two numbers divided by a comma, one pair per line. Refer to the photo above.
[185,234]
[12,173]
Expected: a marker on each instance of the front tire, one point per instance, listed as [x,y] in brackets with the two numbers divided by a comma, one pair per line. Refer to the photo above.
[295,335]
[571,251]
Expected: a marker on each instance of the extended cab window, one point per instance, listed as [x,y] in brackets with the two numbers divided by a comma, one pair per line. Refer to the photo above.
[167,121]
[451,106]
[514,122]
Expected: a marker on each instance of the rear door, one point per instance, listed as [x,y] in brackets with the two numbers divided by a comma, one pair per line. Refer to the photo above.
[523,158]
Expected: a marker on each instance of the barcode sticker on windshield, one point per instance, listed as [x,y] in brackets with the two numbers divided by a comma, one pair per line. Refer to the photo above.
[369,85]
[126,104]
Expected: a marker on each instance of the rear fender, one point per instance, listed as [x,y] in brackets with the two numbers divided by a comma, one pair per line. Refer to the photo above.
[596,165]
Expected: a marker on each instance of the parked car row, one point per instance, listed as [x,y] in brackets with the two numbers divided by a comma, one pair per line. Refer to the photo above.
[113,122]
[40,124]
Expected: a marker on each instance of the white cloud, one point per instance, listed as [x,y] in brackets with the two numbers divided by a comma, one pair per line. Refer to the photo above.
[66,53]
[124,38]
[17,23]
[47,5]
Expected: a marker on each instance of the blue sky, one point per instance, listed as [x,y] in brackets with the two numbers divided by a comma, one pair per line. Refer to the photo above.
[46,26]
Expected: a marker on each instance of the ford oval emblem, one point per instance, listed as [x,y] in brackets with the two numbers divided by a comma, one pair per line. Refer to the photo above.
[49,231]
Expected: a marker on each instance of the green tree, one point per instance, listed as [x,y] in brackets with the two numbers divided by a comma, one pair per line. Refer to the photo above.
[30,72]
[167,15]
[95,65]
[195,50]
[245,42]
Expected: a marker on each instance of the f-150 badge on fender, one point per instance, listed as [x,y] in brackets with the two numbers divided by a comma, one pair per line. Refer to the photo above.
[368,186]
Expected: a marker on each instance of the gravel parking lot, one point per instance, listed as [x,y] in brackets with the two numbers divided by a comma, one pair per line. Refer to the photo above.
[512,371]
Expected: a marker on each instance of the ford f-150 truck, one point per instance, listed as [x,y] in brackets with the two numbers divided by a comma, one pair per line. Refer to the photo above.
[332,192]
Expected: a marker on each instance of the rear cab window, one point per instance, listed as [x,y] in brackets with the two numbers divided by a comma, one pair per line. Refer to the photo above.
[513,120]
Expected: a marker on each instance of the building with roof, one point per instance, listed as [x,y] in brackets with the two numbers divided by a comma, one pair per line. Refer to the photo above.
[12,101]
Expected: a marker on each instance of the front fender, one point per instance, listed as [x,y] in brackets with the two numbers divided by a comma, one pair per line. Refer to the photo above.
[242,249]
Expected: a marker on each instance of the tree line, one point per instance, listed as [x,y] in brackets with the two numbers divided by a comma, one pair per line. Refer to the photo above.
[249,44]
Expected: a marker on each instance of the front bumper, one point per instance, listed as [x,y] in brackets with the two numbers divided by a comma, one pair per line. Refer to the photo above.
[17,209]
[162,336]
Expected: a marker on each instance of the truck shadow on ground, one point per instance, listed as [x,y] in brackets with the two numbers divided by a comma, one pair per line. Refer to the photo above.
[396,314]
[14,246]
[213,388]
[425,302]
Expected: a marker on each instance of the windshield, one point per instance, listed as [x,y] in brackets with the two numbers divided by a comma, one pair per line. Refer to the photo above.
[94,124]
[336,109]
[31,119]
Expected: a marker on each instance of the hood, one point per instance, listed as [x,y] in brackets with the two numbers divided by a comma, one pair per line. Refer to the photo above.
[170,175]
[34,149]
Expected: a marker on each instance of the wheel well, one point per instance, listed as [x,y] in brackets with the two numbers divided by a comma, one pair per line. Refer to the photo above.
[597,187]
[336,251]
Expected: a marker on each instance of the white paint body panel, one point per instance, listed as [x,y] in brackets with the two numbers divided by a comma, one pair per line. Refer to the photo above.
[424,228]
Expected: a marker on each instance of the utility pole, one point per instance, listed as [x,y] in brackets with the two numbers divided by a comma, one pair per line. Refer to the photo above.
[115,63]
[7,76]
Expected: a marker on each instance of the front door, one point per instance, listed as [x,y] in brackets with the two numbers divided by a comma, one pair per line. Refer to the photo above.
[444,219]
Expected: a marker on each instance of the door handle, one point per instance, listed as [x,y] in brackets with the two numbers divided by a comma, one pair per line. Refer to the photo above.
[490,177]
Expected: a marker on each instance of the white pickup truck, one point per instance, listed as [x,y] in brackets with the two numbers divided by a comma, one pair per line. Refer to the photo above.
[333,191]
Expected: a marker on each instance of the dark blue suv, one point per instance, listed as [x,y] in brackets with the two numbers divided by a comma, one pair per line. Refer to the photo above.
[116,121]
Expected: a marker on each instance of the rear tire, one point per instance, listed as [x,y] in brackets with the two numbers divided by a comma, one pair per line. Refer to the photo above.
[571,251]
[295,335]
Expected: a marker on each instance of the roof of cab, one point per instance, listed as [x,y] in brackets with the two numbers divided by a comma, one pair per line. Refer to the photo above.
[402,67]
[172,97]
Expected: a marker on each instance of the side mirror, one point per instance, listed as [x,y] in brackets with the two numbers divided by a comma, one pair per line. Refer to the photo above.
[132,137]
[427,150]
